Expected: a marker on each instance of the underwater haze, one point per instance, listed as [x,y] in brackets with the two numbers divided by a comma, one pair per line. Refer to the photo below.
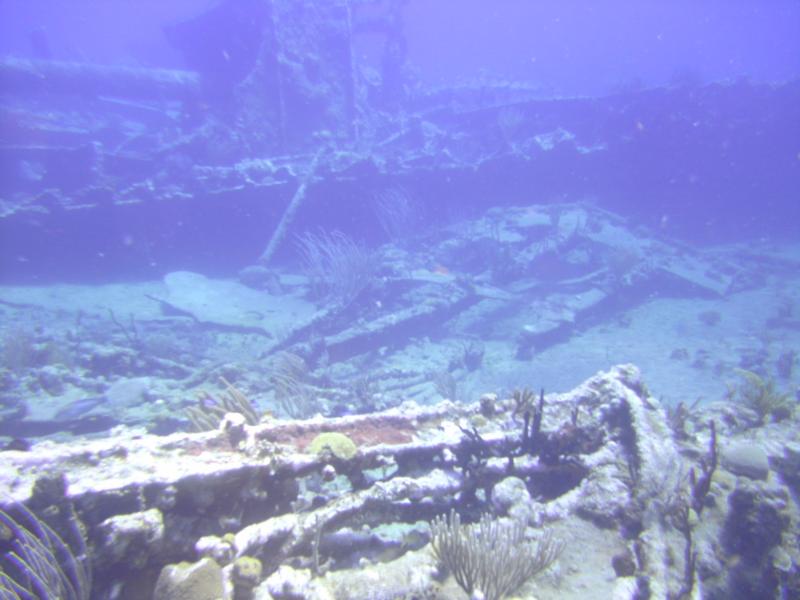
[399,299]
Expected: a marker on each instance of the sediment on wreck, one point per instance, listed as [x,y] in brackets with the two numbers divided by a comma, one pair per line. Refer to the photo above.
[597,468]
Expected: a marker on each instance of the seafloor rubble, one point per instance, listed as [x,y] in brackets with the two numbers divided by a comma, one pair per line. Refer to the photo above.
[479,305]
[647,503]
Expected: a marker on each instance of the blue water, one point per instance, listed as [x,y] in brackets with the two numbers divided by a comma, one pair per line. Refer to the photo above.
[276,192]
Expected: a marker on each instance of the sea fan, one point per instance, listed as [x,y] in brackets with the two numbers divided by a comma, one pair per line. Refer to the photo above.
[490,556]
[36,563]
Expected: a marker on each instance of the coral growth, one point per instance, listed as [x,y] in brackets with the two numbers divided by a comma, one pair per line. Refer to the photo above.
[36,562]
[490,557]
[210,411]
[760,395]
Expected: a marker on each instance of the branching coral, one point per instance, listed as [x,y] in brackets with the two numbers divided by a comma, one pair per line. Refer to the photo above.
[489,556]
[289,378]
[701,484]
[759,395]
[525,405]
[209,410]
[339,267]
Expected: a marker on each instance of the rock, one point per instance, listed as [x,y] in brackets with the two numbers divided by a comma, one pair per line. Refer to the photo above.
[132,537]
[603,496]
[781,561]
[328,473]
[201,580]
[233,425]
[107,360]
[755,522]
[129,392]
[488,403]
[710,563]
[259,277]
[791,457]
[413,575]
[626,588]
[746,459]
[788,464]
[212,546]
[288,583]
[246,575]
[509,492]
[50,378]
[624,563]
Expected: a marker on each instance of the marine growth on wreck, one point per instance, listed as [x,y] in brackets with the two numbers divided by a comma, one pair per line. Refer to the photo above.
[303,301]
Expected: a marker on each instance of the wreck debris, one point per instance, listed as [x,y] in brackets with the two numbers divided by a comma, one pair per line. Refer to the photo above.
[308,515]
[294,205]
[27,75]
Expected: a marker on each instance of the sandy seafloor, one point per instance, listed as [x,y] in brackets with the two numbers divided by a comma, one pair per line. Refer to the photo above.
[682,358]
[648,336]
[658,328]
